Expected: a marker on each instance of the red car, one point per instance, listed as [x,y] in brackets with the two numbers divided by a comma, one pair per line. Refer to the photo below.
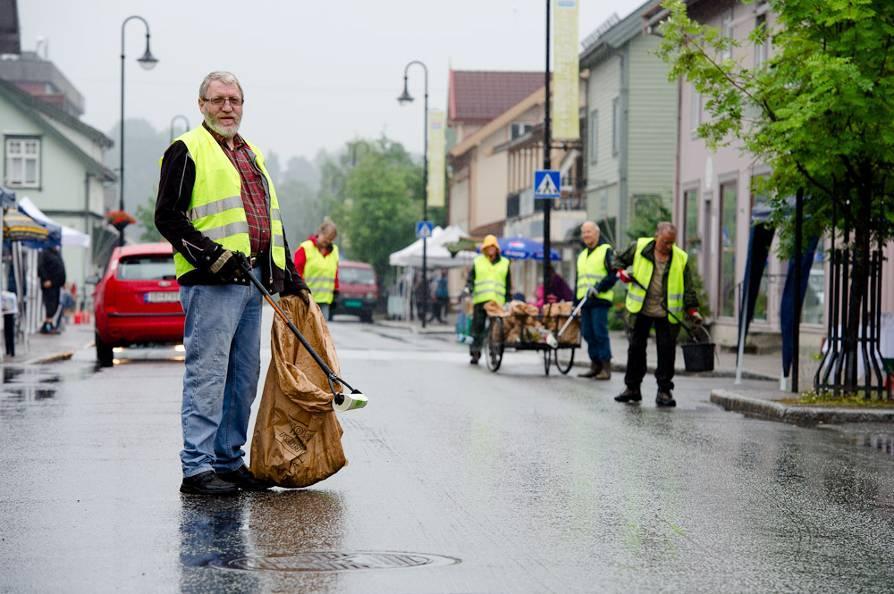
[358,290]
[137,301]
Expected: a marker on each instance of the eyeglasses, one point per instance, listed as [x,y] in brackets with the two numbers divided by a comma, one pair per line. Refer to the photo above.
[219,101]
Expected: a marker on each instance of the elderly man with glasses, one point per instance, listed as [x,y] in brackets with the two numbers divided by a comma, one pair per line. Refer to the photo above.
[218,208]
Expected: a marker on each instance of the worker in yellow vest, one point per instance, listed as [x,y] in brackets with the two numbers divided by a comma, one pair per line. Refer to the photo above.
[660,285]
[593,265]
[316,260]
[489,280]
[217,207]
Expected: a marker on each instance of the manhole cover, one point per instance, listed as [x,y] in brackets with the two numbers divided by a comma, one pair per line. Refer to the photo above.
[335,561]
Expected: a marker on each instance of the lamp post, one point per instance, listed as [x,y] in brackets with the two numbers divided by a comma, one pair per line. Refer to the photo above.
[174,119]
[404,98]
[148,62]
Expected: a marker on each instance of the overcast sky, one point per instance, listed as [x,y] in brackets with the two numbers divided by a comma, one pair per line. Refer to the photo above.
[315,74]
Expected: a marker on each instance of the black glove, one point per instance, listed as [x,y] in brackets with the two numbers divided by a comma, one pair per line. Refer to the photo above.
[229,266]
[334,303]
[295,285]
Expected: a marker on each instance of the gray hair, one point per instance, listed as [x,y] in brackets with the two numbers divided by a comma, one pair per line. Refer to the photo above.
[327,226]
[665,226]
[227,78]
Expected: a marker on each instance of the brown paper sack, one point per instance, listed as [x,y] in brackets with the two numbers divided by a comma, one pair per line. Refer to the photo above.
[494,309]
[297,437]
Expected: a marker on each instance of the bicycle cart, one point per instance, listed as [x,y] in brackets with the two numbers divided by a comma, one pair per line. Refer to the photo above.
[527,332]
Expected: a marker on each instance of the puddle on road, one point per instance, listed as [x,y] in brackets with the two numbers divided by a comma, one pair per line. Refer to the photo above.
[881,441]
[23,384]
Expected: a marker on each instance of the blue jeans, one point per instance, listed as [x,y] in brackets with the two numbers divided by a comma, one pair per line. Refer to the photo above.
[594,327]
[222,336]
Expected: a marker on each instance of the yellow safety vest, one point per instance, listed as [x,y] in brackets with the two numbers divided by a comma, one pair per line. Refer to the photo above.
[490,280]
[216,208]
[642,271]
[319,272]
[591,270]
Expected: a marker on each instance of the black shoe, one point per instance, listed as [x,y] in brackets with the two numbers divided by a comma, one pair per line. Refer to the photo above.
[207,483]
[665,399]
[629,395]
[245,480]
[474,358]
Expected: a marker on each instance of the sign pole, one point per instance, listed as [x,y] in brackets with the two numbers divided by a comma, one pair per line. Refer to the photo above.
[547,164]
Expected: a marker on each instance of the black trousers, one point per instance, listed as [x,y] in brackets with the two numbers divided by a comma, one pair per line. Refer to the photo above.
[666,339]
[479,327]
[9,333]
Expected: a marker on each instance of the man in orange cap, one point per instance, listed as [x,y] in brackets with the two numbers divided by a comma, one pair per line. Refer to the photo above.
[489,280]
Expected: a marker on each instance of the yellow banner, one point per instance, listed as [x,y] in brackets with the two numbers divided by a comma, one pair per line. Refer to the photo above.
[566,71]
[436,165]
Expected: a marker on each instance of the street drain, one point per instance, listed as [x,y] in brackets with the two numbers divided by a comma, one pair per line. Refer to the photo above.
[317,561]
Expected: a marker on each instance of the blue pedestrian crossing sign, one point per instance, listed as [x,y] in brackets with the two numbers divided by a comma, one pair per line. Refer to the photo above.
[547,183]
[424,229]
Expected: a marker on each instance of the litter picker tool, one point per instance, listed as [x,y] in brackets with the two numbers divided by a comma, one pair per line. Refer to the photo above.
[574,313]
[341,401]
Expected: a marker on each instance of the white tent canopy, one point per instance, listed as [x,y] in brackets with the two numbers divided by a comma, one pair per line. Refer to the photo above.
[437,255]
[69,236]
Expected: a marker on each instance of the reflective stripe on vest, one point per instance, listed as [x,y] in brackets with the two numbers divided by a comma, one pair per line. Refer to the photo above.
[216,208]
[319,272]
[642,272]
[591,270]
[490,280]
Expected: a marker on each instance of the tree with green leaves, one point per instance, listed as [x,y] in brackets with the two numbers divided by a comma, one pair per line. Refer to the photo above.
[373,192]
[819,112]
[146,218]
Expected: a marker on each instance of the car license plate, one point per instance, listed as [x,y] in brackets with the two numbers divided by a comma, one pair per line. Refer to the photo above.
[163,297]
[353,303]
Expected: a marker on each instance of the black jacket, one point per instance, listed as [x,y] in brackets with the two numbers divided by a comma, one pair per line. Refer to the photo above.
[178,175]
[50,267]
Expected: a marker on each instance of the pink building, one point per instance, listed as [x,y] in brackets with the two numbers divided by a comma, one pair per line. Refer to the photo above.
[714,197]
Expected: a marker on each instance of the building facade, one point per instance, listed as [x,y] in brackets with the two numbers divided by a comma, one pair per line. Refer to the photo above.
[631,125]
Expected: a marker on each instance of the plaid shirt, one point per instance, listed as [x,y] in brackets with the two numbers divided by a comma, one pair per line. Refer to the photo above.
[254,198]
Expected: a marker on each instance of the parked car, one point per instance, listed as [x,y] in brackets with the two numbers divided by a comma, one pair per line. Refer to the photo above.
[137,301]
[358,291]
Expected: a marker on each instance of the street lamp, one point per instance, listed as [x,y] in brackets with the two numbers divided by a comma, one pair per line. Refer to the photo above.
[174,119]
[405,98]
[148,62]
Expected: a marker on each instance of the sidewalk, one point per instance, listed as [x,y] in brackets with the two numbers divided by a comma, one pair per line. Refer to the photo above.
[48,348]
[762,401]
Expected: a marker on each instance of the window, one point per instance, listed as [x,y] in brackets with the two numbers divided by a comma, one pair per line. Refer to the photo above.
[519,129]
[761,50]
[616,125]
[728,207]
[692,240]
[695,111]
[22,162]
[726,30]
[146,268]
[594,136]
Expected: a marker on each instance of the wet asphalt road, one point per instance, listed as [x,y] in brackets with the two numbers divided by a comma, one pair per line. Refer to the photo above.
[512,482]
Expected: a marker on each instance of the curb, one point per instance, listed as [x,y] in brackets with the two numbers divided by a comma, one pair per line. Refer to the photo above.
[807,416]
[717,373]
[54,358]
[415,329]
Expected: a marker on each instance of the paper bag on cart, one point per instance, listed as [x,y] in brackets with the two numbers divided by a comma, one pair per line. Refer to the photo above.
[297,437]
